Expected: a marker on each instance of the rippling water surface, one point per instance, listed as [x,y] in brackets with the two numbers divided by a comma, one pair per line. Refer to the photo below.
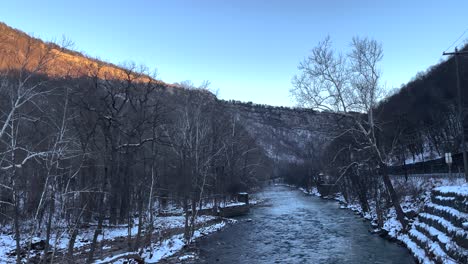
[295,228]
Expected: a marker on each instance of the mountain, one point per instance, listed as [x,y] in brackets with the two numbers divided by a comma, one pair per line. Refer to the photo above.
[57,61]
[286,134]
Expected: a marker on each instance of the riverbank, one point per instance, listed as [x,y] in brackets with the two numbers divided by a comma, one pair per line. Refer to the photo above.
[168,246]
[415,195]
[115,240]
[190,253]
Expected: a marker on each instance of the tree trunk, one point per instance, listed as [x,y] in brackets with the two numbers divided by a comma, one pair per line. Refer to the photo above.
[140,223]
[129,230]
[186,225]
[17,228]
[378,206]
[393,195]
[193,217]
[361,190]
[49,228]
[97,232]
[71,245]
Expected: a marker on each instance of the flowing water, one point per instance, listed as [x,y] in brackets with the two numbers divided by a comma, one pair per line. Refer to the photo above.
[295,228]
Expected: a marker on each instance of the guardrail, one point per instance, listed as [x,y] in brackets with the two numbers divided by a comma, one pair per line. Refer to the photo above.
[430,167]
[429,175]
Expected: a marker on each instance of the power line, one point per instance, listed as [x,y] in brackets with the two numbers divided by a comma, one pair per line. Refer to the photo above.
[457,39]
[460,108]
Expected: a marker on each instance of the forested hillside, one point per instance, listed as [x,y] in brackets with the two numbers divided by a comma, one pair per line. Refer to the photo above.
[83,142]
[423,114]
[419,122]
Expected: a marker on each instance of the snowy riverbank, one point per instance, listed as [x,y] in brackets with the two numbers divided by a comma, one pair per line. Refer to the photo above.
[167,247]
[113,241]
[415,197]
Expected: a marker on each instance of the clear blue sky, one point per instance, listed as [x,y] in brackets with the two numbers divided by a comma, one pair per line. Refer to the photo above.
[248,49]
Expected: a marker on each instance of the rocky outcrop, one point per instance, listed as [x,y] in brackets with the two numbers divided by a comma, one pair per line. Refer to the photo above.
[286,134]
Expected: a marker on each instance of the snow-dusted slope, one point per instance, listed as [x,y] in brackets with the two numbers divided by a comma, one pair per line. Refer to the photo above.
[286,134]
[440,233]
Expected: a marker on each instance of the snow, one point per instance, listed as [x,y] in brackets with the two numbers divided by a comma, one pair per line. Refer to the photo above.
[255,201]
[436,250]
[168,247]
[415,249]
[223,204]
[442,238]
[187,257]
[393,226]
[109,259]
[450,210]
[60,237]
[419,236]
[174,244]
[461,190]
[234,204]
[444,198]
[84,238]
[434,232]
[169,222]
[7,244]
[434,247]
[446,224]
[313,191]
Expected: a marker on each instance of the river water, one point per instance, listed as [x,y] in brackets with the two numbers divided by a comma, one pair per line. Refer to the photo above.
[295,228]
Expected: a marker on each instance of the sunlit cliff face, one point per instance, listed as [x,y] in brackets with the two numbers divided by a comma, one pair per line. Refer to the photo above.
[65,64]
[19,51]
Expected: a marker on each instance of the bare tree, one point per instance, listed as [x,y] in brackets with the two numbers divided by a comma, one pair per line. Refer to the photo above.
[191,142]
[95,147]
[24,93]
[349,85]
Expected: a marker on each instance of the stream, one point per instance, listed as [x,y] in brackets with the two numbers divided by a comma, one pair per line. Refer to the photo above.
[292,227]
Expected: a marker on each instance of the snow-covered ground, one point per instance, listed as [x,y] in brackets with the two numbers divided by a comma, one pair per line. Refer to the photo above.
[165,248]
[85,235]
[170,246]
[7,244]
[313,191]
[84,238]
[461,190]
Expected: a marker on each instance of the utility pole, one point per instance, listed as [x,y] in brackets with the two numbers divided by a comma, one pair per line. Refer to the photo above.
[460,108]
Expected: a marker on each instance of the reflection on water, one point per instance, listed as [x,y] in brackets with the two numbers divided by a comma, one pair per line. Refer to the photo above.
[299,229]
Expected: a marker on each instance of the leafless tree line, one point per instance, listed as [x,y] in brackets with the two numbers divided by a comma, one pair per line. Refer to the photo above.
[98,151]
